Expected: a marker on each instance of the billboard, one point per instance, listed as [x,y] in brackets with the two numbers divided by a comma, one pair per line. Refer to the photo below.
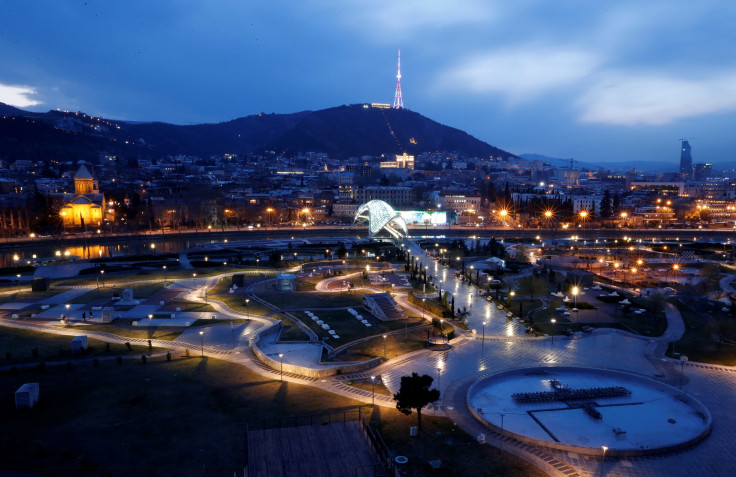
[420,217]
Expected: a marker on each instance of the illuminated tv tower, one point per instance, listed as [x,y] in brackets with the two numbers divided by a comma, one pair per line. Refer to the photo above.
[398,102]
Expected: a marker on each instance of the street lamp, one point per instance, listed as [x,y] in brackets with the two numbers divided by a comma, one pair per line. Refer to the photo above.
[18,275]
[423,300]
[384,346]
[67,310]
[553,321]
[373,397]
[102,276]
[164,267]
[483,341]
[281,357]
[440,365]
[150,320]
[442,327]
[575,291]
[605,448]
[201,338]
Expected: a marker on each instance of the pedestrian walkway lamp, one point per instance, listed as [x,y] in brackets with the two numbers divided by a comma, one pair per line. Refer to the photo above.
[553,321]
[605,448]
[440,365]
[102,276]
[67,310]
[281,358]
[423,300]
[164,267]
[575,291]
[384,346]
[18,275]
[483,340]
[201,338]
[373,397]
[247,300]
[442,327]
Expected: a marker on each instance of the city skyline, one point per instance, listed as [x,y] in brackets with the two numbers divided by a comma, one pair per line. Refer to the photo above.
[593,83]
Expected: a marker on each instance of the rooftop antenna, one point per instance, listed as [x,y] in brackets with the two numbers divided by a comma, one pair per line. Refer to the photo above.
[398,101]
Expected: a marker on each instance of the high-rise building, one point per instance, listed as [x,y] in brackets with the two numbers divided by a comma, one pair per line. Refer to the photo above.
[702,171]
[686,161]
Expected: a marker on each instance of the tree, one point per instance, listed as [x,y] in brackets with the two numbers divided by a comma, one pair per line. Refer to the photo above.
[605,208]
[414,393]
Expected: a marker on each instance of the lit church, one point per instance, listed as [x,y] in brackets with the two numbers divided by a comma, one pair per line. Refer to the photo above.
[86,206]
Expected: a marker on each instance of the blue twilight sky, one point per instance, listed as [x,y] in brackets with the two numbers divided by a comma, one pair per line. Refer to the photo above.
[597,81]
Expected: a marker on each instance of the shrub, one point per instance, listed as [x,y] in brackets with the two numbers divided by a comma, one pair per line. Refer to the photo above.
[186,352]
[107,347]
[150,346]
[127,345]
[168,356]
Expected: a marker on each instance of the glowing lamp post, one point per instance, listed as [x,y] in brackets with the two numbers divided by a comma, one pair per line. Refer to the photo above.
[553,321]
[575,291]
[373,390]
[18,275]
[67,310]
[281,358]
[603,461]
[201,338]
[384,346]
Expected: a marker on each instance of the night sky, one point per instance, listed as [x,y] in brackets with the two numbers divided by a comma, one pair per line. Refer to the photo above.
[624,81]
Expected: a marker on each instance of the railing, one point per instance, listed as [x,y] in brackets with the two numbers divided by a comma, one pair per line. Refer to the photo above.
[379,445]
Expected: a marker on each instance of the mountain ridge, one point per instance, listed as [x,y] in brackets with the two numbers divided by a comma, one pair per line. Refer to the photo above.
[348,130]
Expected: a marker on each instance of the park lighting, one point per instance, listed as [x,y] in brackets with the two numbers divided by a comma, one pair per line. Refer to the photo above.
[575,291]
[18,275]
[201,337]
[384,346]
[281,357]
[553,321]
[605,448]
[373,397]
[67,310]
[16,257]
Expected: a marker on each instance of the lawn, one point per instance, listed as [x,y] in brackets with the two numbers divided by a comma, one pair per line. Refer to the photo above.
[140,291]
[49,347]
[309,300]
[395,345]
[110,420]
[123,327]
[698,343]
[348,328]
[441,440]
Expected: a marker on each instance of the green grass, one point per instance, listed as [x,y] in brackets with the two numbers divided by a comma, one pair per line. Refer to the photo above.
[441,440]
[396,345]
[51,347]
[92,421]
[309,300]
[698,342]
[124,328]
[291,331]
[348,328]
[140,291]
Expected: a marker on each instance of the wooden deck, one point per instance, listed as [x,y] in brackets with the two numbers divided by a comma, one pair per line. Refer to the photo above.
[332,450]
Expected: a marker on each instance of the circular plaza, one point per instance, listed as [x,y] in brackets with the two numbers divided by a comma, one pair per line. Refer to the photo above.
[589,411]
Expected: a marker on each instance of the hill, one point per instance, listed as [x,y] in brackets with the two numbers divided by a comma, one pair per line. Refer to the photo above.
[342,131]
